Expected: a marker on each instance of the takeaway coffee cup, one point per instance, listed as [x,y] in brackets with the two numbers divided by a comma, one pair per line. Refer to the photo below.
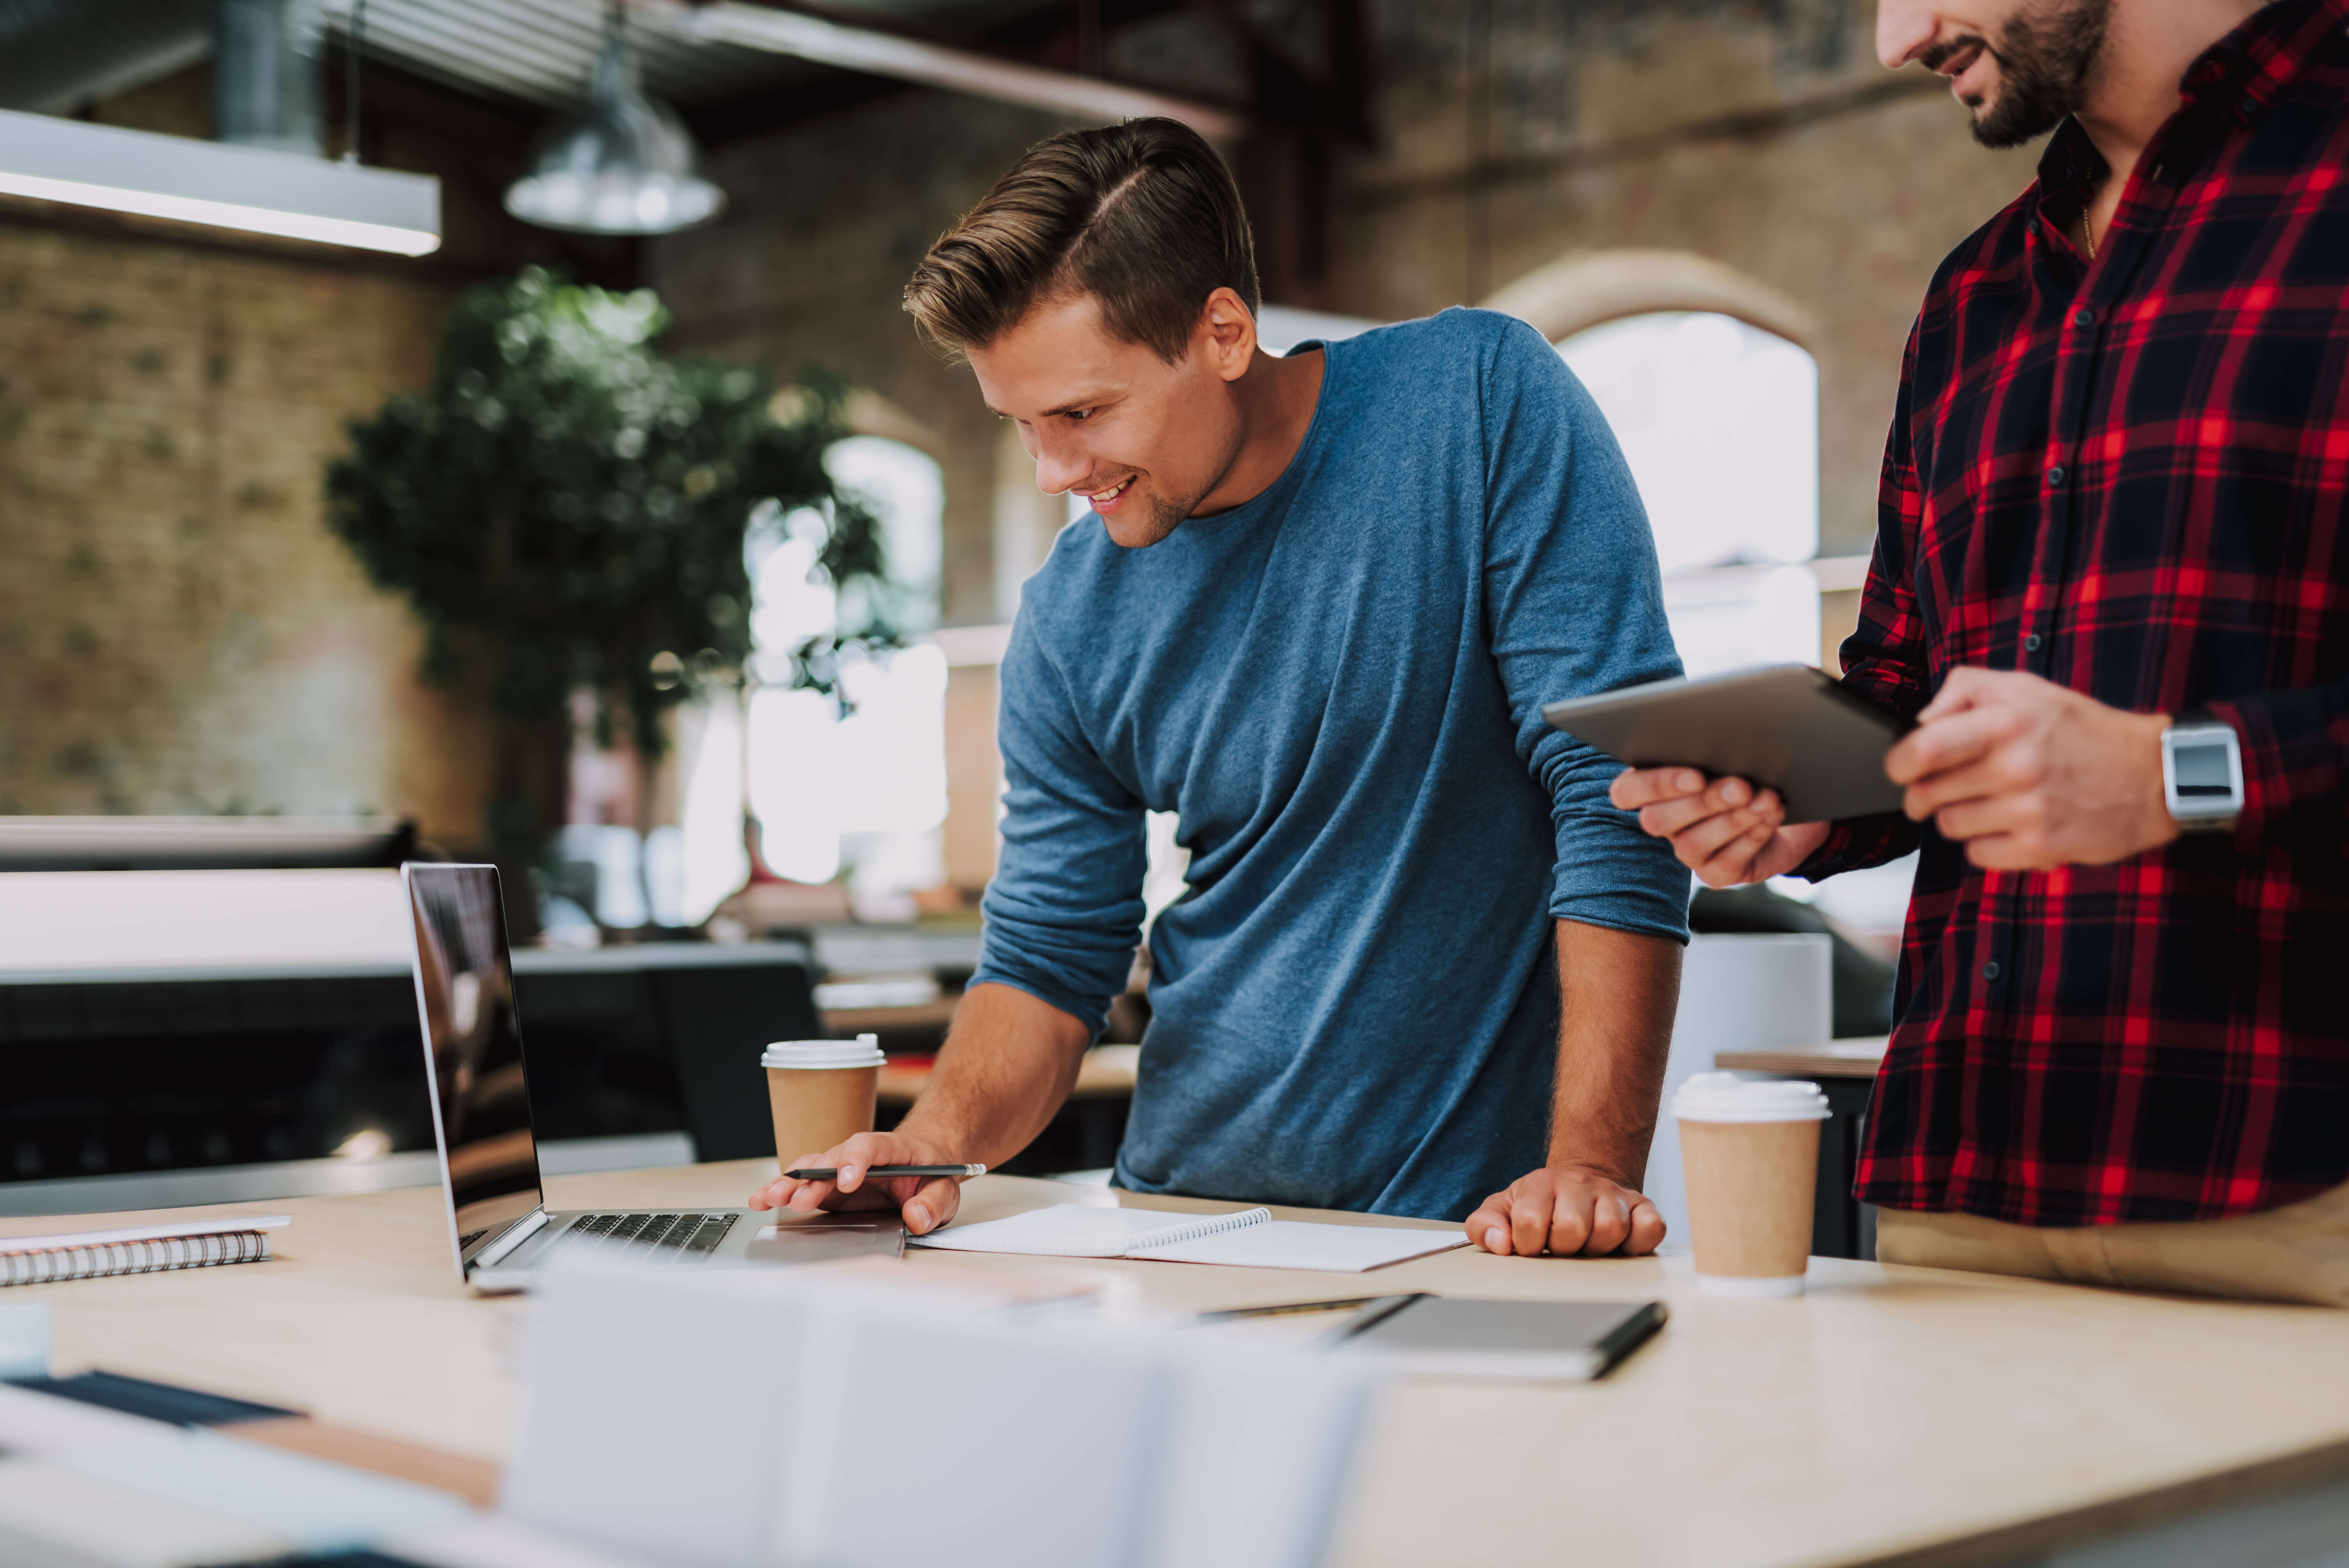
[821,1091]
[1750,1156]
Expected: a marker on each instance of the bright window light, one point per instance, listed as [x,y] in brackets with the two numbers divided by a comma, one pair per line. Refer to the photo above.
[716,862]
[908,493]
[817,778]
[1736,617]
[1720,422]
[864,793]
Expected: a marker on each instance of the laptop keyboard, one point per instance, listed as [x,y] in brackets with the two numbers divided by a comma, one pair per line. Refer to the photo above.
[683,1236]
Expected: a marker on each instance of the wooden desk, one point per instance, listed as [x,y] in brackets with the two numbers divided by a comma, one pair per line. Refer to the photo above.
[847,1022]
[1842,1226]
[1892,1415]
[1107,1072]
[1855,1058]
[1084,1132]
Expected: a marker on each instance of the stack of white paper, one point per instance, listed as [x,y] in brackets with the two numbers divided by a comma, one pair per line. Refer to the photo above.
[777,1419]
[92,1488]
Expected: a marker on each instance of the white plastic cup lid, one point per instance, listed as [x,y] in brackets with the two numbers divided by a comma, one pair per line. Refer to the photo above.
[1725,1096]
[863,1051]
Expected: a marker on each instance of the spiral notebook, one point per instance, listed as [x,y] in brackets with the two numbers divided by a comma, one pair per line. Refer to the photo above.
[1251,1238]
[143,1248]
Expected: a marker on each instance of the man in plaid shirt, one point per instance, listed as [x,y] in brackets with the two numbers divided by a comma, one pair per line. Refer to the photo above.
[2115,510]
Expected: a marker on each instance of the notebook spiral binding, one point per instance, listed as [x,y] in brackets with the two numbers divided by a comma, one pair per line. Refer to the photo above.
[47,1265]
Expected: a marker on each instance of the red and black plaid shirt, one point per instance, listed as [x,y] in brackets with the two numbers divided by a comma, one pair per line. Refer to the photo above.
[2130,475]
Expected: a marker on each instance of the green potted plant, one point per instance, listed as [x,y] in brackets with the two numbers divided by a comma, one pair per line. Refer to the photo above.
[564,507]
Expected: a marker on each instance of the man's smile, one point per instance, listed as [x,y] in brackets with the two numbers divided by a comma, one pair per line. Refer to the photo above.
[1957,62]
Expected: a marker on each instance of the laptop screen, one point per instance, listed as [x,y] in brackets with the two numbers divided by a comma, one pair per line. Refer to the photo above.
[472,1041]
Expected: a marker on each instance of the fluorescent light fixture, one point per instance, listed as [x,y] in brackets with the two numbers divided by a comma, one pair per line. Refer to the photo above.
[254,188]
[939,66]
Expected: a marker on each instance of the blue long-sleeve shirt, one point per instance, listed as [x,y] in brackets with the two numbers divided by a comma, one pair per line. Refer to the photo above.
[1339,686]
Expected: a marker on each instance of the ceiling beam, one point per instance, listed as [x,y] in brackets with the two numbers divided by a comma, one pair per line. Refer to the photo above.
[791,30]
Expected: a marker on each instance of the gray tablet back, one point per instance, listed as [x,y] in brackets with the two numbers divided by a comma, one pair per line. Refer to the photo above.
[1785,725]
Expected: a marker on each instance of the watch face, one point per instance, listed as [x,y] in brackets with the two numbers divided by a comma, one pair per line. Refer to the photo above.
[2200,772]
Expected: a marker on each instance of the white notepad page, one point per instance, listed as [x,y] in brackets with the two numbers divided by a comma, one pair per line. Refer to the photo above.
[1075,1231]
[227,1225]
[1296,1244]
[1251,1238]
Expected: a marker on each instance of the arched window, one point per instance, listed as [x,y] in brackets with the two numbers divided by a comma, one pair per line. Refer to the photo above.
[907,492]
[1702,372]
[1719,420]
[861,790]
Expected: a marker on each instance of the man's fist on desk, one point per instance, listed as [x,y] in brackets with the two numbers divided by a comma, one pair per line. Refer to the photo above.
[1567,1211]
[924,1203]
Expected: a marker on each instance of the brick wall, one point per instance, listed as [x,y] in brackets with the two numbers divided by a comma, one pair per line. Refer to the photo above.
[1767,138]
[178,633]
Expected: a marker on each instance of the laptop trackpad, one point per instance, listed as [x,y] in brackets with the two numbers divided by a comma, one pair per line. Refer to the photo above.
[818,1238]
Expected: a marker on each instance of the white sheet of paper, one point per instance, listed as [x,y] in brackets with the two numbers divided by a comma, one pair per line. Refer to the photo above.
[1295,1244]
[227,1225]
[1062,1231]
[1249,1239]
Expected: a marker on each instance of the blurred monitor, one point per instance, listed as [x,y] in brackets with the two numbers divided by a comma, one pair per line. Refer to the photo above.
[203,843]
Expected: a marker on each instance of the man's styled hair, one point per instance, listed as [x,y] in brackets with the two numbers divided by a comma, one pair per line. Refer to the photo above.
[1144,216]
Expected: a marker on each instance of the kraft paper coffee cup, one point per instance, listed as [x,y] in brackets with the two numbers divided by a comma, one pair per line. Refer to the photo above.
[1750,1156]
[821,1092]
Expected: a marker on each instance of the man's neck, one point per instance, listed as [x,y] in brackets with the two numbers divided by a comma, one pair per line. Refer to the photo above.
[2146,54]
[1277,399]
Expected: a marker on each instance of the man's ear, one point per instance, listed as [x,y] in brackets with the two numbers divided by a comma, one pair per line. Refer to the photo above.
[1226,335]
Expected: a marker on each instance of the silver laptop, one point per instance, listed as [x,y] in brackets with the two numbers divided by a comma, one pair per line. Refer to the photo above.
[497,1220]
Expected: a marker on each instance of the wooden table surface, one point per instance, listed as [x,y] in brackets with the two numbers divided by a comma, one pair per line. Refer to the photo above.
[1853,1058]
[1891,1415]
[1107,1072]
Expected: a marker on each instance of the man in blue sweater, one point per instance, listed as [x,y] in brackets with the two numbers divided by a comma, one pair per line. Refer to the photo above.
[1316,612]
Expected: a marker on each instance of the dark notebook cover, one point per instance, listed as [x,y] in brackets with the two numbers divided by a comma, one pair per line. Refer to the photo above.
[1504,1338]
[156,1401]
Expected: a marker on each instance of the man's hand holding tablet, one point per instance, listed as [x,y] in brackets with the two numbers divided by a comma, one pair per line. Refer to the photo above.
[1713,763]
[2026,774]
[1725,830]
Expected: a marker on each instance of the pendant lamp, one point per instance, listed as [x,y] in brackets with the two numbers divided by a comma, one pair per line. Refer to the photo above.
[623,165]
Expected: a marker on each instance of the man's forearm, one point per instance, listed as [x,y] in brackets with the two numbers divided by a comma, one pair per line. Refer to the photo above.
[1619,990]
[1007,1064]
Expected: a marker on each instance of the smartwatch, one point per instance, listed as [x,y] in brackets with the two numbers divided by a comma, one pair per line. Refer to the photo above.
[2202,773]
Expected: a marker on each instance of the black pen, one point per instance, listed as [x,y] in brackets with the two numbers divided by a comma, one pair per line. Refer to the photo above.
[1383,1305]
[822,1173]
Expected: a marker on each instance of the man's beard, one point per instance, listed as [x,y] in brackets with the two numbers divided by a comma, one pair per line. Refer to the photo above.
[1167,515]
[2046,55]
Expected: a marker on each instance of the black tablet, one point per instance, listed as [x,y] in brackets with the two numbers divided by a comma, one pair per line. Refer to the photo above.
[1788,727]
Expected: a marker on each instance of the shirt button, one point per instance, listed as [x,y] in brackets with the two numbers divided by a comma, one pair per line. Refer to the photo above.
[2084,318]
[2031,643]
[1990,970]
[2055,475]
